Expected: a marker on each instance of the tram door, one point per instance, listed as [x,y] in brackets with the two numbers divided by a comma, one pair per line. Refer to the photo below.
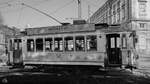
[113,49]
[17,52]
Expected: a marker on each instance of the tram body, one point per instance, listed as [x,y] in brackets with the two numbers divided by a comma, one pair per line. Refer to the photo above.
[84,44]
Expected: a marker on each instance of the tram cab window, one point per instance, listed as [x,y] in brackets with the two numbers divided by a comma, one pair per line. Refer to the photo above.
[91,43]
[124,41]
[30,45]
[39,44]
[80,43]
[10,45]
[69,44]
[16,42]
[48,44]
[58,44]
[112,42]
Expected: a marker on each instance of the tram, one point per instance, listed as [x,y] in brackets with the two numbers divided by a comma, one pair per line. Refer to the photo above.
[75,45]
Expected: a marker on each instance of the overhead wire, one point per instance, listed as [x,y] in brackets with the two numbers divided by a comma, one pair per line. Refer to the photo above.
[7,2]
[16,4]
[60,8]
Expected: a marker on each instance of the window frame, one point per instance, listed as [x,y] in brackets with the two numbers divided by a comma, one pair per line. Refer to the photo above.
[95,41]
[65,43]
[51,44]
[37,44]
[31,50]
[58,44]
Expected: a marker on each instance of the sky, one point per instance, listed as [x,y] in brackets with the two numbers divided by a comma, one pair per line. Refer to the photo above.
[20,16]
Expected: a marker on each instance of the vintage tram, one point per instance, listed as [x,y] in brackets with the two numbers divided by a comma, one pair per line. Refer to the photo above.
[89,44]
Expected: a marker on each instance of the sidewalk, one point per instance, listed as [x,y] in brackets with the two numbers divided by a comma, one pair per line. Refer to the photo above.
[142,72]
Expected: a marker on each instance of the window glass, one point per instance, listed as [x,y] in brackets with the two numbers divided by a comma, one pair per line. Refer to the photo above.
[39,44]
[112,42]
[91,43]
[148,44]
[118,42]
[142,25]
[80,43]
[69,44]
[58,44]
[30,45]
[17,44]
[124,41]
[142,8]
[48,44]
[10,45]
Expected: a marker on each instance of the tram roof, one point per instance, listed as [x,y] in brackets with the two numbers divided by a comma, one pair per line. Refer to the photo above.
[74,28]
[60,29]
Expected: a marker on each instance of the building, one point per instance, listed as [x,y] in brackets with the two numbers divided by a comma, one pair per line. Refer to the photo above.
[130,14]
[5,33]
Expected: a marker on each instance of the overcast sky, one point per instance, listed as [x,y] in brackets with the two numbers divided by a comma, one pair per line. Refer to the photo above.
[15,14]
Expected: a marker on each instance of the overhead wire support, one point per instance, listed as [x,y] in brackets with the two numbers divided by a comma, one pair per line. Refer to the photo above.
[42,12]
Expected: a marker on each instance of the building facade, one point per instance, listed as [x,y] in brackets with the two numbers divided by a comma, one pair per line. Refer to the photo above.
[130,14]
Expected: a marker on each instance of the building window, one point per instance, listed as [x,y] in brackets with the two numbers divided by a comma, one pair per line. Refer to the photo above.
[142,25]
[91,43]
[80,43]
[58,44]
[39,44]
[142,8]
[118,15]
[48,44]
[123,12]
[114,14]
[142,42]
[148,44]
[30,45]
[69,44]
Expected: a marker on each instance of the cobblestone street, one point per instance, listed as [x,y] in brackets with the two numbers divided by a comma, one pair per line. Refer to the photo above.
[110,76]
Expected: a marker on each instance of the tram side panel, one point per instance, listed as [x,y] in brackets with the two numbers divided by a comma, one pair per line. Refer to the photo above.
[65,57]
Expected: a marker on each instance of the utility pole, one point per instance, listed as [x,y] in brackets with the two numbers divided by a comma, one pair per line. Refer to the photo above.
[79,10]
[89,12]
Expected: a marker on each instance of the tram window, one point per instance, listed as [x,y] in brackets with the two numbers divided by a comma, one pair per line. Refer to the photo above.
[30,45]
[48,44]
[124,41]
[112,42]
[58,44]
[91,43]
[17,44]
[39,44]
[118,42]
[10,45]
[80,43]
[69,44]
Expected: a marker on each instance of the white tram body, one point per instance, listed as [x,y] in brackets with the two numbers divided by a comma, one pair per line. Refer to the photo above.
[84,44]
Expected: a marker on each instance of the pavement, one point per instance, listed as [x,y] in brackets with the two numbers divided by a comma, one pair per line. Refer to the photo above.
[110,76]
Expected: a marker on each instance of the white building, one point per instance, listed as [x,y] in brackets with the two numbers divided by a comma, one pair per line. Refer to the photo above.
[131,14]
